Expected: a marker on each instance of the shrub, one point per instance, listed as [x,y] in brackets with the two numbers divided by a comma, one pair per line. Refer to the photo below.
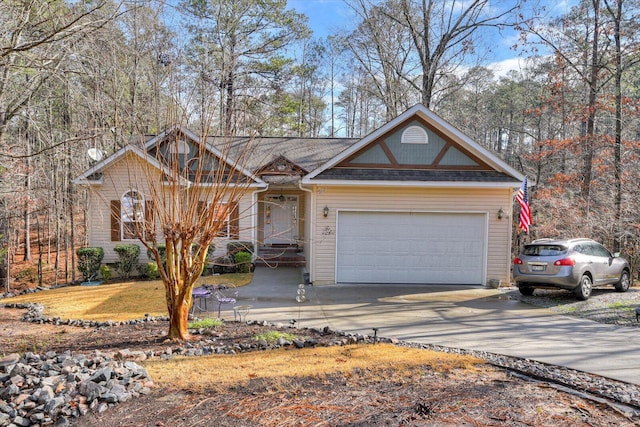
[234,247]
[152,271]
[212,248]
[128,259]
[162,251]
[89,260]
[243,262]
[105,272]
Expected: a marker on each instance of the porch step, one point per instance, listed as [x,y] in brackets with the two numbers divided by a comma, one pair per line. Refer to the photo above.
[280,256]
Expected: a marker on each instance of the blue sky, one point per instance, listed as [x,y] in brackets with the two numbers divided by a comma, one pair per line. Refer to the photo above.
[327,17]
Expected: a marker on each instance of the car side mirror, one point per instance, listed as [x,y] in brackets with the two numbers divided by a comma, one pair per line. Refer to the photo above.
[616,255]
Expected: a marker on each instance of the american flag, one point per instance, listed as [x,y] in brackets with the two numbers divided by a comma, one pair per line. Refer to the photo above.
[525,211]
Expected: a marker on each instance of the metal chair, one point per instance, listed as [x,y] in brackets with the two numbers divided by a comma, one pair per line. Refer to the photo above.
[224,294]
[200,296]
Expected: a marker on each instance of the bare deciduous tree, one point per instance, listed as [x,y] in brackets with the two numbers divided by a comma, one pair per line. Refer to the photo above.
[192,195]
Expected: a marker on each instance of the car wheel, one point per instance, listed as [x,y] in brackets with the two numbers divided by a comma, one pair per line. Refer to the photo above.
[623,284]
[524,290]
[583,291]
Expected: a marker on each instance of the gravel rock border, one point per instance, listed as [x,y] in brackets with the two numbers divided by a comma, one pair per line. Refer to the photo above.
[604,306]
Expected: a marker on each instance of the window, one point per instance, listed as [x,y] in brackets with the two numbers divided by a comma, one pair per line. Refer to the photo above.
[544,250]
[228,216]
[414,135]
[131,214]
[599,250]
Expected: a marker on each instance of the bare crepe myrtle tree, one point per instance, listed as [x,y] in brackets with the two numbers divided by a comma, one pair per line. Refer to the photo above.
[192,191]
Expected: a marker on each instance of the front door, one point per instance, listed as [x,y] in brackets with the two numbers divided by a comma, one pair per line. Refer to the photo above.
[281,220]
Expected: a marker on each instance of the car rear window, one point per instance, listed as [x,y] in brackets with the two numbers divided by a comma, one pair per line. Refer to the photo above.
[544,250]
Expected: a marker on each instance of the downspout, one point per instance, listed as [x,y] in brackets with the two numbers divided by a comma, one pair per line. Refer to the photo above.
[311,229]
[255,220]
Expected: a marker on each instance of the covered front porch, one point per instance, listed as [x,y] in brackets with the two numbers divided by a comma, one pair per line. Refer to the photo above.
[281,232]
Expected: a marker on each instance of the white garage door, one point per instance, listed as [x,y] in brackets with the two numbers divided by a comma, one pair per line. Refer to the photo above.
[401,247]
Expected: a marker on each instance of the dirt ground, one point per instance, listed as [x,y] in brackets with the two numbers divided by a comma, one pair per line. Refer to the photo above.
[487,397]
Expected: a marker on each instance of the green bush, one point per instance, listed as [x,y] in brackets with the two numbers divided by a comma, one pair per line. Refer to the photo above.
[127,259]
[152,271]
[234,247]
[195,247]
[105,272]
[243,261]
[162,251]
[89,260]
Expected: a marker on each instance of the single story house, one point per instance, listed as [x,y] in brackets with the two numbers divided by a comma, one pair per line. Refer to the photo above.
[415,201]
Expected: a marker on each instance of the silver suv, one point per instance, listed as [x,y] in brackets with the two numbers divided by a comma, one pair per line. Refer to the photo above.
[573,264]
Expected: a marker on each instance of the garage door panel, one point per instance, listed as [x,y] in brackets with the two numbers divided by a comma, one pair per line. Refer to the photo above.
[396,247]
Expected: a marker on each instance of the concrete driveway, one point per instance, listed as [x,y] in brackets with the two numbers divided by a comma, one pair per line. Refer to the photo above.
[454,316]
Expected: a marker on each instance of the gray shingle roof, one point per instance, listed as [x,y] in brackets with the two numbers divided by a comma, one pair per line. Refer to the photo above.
[414,175]
[308,153]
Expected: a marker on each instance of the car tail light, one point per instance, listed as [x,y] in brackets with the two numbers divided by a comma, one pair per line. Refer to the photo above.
[517,261]
[565,262]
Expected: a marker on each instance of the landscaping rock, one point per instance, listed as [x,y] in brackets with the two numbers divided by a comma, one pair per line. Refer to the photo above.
[100,379]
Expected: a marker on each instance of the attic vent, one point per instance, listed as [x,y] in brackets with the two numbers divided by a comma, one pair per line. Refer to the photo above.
[180,147]
[414,135]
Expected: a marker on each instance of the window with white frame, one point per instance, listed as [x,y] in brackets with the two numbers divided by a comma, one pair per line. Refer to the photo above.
[131,214]
[222,214]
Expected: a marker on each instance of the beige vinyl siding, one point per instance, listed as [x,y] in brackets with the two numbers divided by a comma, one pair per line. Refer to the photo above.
[123,175]
[405,199]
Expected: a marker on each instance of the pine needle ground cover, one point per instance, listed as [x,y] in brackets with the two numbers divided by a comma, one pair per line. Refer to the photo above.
[219,372]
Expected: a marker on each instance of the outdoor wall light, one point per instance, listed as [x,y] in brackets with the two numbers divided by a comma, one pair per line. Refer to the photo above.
[500,213]
[325,211]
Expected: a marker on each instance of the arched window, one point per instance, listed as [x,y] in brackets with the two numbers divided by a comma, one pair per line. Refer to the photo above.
[131,214]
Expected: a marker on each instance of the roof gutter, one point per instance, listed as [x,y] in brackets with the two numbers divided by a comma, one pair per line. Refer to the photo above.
[418,184]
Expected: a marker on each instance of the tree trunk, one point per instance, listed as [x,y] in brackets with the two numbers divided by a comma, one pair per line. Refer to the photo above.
[179,275]
[70,188]
[591,107]
[617,17]
[179,318]
[27,190]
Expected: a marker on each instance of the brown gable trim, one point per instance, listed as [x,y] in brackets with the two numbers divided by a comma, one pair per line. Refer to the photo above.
[441,154]
[347,163]
[282,166]
[385,148]
[390,156]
